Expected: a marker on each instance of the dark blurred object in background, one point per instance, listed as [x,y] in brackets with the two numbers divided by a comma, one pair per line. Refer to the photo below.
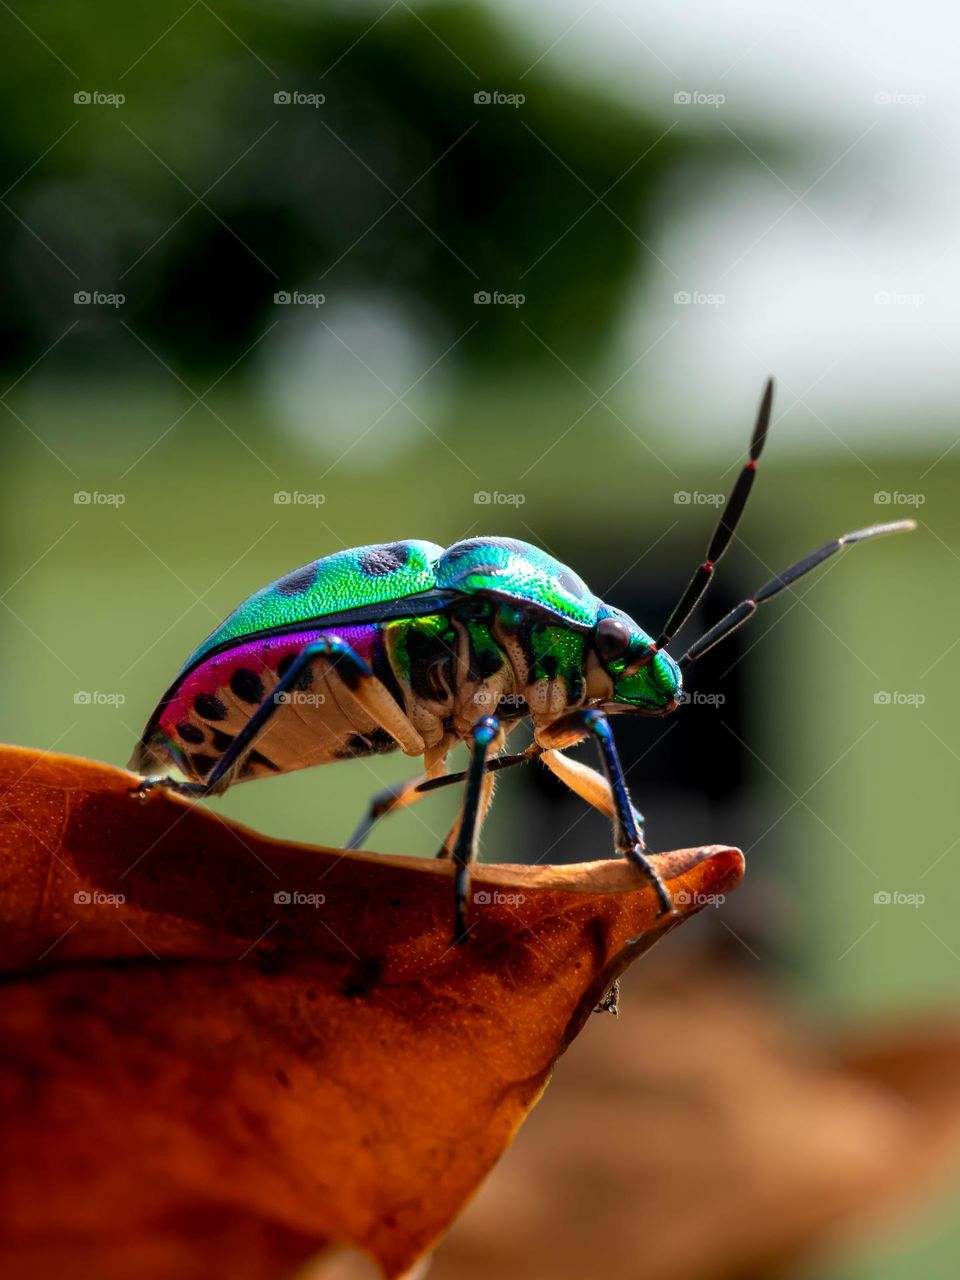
[212,187]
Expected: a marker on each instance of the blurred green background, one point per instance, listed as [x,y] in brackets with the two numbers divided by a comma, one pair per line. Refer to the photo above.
[626,375]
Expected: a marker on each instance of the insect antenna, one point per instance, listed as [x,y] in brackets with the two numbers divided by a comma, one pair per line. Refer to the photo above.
[741,612]
[729,519]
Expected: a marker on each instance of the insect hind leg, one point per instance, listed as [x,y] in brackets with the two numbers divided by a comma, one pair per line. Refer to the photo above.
[158,782]
[359,680]
[402,794]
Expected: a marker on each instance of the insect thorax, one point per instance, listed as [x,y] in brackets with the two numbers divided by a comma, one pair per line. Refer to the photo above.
[486,658]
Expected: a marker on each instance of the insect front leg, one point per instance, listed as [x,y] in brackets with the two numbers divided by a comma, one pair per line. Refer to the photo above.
[596,790]
[485,733]
[627,831]
[588,785]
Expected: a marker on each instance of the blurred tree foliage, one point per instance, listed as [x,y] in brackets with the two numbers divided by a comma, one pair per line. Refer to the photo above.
[201,196]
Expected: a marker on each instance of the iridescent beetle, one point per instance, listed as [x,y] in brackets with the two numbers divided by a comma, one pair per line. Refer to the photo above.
[408,645]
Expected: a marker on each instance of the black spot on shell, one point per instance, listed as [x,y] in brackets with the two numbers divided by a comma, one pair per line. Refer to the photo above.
[282,1078]
[304,679]
[548,665]
[376,562]
[202,764]
[296,583]
[257,757]
[222,740]
[247,686]
[209,707]
[190,733]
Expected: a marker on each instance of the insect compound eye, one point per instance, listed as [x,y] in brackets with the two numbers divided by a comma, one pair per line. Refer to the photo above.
[613,639]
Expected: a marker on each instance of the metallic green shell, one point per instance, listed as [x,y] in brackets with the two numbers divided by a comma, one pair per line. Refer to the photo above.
[334,584]
[385,572]
[520,572]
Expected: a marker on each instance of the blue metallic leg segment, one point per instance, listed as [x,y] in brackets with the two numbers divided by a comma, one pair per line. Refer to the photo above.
[627,833]
[484,732]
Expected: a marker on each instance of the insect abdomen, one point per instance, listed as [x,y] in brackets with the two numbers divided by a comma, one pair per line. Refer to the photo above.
[319,722]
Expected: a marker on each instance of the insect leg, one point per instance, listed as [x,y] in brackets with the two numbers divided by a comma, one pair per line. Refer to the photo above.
[389,800]
[627,833]
[157,782]
[355,674]
[596,791]
[493,766]
[486,799]
[587,784]
[401,794]
[484,733]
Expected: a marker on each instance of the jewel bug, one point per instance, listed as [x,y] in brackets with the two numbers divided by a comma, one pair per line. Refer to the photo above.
[410,646]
